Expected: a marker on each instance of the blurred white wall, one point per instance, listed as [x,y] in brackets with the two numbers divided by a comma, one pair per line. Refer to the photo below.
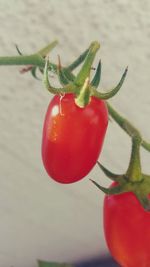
[38,217]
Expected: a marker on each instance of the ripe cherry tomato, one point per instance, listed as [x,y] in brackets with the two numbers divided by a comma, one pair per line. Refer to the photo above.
[127,230]
[72,137]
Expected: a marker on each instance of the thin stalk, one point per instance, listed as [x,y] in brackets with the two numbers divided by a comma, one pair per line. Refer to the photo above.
[34,59]
[134,173]
[126,125]
[122,122]
[145,145]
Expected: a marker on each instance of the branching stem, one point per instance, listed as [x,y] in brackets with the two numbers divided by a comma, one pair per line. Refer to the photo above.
[127,126]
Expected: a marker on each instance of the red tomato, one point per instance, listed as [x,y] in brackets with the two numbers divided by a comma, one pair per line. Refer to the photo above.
[72,137]
[127,230]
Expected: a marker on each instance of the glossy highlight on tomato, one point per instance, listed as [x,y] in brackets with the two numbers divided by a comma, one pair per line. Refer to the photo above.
[127,230]
[72,137]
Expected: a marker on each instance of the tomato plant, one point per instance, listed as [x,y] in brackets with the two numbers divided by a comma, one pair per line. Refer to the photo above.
[72,137]
[73,134]
[127,230]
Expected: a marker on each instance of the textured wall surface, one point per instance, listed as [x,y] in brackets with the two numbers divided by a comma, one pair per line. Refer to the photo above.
[38,217]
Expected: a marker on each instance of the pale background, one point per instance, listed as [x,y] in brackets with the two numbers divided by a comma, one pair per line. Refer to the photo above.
[38,217]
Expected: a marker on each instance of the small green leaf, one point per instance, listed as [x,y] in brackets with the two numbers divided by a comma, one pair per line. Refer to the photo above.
[86,68]
[103,189]
[115,190]
[62,78]
[96,80]
[69,75]
[111,92]
[109,174]
[54,90]
[144,200]
[33,72]
[52,264]
[79,60]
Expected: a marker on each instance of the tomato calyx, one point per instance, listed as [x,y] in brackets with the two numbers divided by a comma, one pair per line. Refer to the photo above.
[71,83]
[123,185]
[80,84]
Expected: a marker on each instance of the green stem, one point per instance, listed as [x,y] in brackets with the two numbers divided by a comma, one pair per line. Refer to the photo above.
[126,125]
[134,169]
[34,59]
[130,130]
[145,145]
[134,173]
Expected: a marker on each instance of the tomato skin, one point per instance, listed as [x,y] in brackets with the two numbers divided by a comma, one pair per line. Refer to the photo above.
[72,137]
[127,230]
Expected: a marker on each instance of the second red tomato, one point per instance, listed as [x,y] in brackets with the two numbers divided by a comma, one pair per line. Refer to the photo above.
[72,137]
[127,230]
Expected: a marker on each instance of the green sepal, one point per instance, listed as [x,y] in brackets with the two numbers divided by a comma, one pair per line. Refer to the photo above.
[33,72]
[97,77]
[41,70]
[145,202]
[109,174]
[45,51]
[142,191]
[103,189]
[55,90]
[86,68]
[61,76]
[111,92]
[68,74]
[83,97]
[115,190]
[78,61]
[46,82]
